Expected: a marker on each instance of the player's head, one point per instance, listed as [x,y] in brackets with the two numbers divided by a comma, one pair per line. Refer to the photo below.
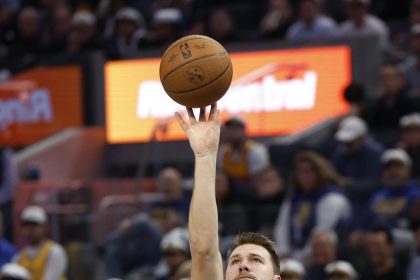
[254,256]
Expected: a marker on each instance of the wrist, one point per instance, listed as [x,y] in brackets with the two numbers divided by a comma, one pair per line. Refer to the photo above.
[205,156]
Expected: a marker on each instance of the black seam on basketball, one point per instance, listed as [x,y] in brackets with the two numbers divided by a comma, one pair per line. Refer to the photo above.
[180,39]
[206,84]
[192,60]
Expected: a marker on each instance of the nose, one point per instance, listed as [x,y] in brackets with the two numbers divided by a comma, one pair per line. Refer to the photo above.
[243,267]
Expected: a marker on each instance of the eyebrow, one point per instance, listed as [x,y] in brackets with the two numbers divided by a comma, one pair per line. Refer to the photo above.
[251,254]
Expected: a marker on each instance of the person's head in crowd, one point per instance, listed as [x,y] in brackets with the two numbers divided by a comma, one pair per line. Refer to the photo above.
[313,172]
[379,245]
[54,4]
[234,131]
[323,244]
[357,10]
[29,22]
[170,183]
[415,12]
[34,222]
[223,187]
[410,131]
[391,81]
[279,12]
[220,24]
[165,218]
[308,10]
[83,31]
[415,39]
[14,271]
[175,249]
[127,22]
[268,183]
[167,25]
[291,269]
[352,132]
[355,96]
[340,270]
[397,166]
[61,21]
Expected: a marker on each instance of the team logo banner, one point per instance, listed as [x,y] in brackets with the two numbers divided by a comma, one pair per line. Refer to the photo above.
[38,103]
[275,92]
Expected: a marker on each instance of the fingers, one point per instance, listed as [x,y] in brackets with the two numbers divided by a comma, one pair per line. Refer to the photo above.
[213,111]
[181,121]
[191,116]
[202,114]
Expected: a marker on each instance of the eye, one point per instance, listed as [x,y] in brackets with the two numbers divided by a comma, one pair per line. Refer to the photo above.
[256,260]
[234,261]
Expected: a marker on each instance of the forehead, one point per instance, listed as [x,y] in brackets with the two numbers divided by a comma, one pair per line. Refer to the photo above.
[248,249]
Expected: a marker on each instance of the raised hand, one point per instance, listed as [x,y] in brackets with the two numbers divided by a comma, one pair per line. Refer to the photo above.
[203,134]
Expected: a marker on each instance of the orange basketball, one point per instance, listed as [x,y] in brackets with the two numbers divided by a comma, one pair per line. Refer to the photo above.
[196,71]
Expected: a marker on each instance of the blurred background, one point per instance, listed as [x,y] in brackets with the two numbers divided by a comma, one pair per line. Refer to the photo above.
[320,143]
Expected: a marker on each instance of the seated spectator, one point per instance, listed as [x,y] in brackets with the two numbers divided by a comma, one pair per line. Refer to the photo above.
[391,206]
[166,27]
[340,270]
[83,35]
[323,246]
[312,25]
[221,26]
[358,159]
[129,34]
[270,192]
[390,105]
[411,66]
[360,22]
[60,29]
[42,257]
[355,96]
[410,141]
[291,270]
[277,20]
[382,264]
[414,267]
[175,251]
[7,249]
[315,202]
[27,48]
[241,158]
[13,271]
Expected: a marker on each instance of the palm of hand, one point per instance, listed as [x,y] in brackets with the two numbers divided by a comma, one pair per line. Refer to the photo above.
[204,137]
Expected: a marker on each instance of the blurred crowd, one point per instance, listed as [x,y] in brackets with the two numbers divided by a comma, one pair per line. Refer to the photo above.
[348,208]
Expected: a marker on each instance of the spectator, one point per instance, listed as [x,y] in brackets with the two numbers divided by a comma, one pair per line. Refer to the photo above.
[241,158]
[25,51]
[414,267]
[221,26]
[315,202]
[175,252]
[7,249]
[12,271]
[166,27]
[391,205]
[291,270]
[340,270]
[410,141]
[43,258]
[379,245]
[355,96]
[357,158]
[8,180]
[312,25]
[360,22]
[277,20]
[129,34]
[323,251]
[390,105]
[83,35]
[415,12]
[60,29]
[411,66]
[270,194]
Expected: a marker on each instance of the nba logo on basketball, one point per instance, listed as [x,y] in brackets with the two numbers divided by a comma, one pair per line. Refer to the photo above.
[185,50]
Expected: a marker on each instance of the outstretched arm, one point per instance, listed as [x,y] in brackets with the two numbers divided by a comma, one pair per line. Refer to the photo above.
[203,136]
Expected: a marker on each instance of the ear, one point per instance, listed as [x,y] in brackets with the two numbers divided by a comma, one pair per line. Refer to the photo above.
[277,277]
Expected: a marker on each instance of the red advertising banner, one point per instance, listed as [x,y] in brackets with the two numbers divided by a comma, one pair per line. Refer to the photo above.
[38,103]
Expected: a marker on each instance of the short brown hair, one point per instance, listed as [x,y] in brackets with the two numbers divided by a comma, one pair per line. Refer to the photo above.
[260,240]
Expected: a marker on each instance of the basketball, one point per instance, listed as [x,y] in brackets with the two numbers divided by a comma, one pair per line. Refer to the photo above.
[196,71]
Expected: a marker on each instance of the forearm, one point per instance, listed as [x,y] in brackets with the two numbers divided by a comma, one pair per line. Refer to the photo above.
[203,221]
